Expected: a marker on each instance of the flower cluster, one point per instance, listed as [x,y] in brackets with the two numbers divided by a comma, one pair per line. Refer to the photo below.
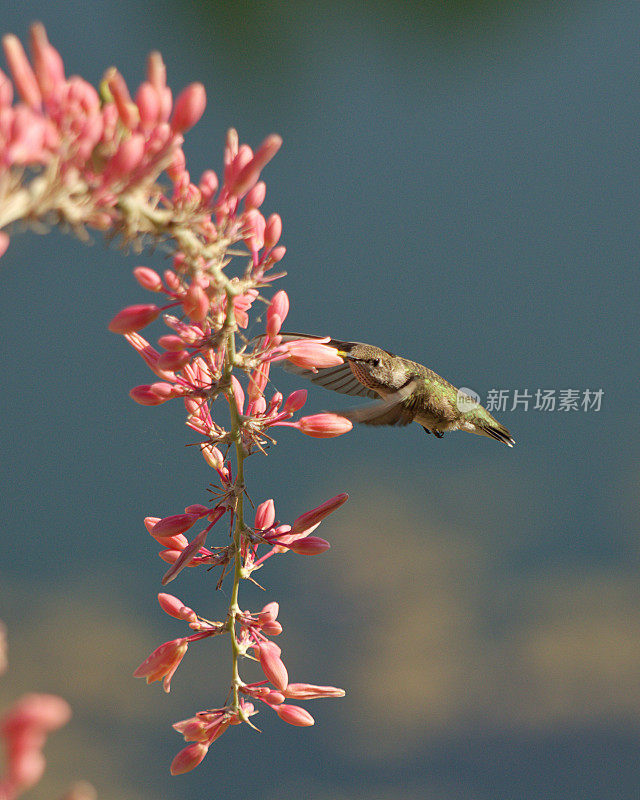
[86,159]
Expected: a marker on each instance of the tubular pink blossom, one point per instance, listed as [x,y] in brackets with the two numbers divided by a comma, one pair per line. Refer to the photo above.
[315,516]
[254,227]
[279,305]
[47,62]
[176,523]
[163,662]
[196,302]
[23,75]
[148,278]
[295,401]
[250,173]
[146,396]
[311,355]
[273,231]
[272,665]
[323,426]
[174,607]
[127,157]
[255,197]
[309,546]
[238,393]
[148,102]
[212,456]
[189,758]
[173,361]
[127,109]
[171,342]
[308,691]
[277,254]
[189,107]
[133,318]
[294,715]
[265,515]
[208,185]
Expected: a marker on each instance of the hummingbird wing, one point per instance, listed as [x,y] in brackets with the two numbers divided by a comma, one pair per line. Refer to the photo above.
[399,408]
[338,379]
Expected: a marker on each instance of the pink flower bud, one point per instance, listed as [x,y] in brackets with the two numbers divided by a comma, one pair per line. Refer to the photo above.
[277,254]
[279,305]
[311,355]
[312,518]
[308,691]
[173,361]
[248,176]
[253,226]
[196,302]
[238,393]
[189,107]
[127,109]
[294,715]
[23,75]
[273,231]
[127,157]
[145,396]
[255,198]
[324,426]
[295,401]
[148,102]
[271,628]
[273,698]
[265,515]
[148,278]
[174,607]
[171,342]
[272,665]
[176,523]
[208,185]
[189,758]
[133,318]
[309,546]
[212,456]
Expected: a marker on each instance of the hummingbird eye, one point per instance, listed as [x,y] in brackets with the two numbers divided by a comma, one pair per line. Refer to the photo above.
[375,362]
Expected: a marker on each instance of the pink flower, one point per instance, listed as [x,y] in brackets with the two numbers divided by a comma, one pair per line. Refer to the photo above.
[272,665]
[309,691]
[312,355]
[323,426]
[294,715]
[163,662]
[189,758]
[133,318]
[310,519]
[309,546]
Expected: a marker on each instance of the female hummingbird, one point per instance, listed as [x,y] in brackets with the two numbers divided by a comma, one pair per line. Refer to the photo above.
[406,391]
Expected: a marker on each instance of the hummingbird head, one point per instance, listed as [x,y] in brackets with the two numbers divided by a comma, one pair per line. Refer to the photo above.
[374,367]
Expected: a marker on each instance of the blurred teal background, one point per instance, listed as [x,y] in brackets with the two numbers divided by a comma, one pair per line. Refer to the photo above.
[458,184]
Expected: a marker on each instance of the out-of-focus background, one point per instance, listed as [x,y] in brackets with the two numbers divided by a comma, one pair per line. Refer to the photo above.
[458,184]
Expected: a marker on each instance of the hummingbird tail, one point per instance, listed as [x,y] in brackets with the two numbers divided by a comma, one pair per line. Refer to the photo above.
[496,431]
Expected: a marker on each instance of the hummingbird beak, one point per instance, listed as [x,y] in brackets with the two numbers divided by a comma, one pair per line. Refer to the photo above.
[344,355]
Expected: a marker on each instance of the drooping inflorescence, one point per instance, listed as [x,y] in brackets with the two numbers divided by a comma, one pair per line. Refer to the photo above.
[111,161]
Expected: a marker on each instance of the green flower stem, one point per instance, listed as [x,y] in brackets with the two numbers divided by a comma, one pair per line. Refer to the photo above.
[236,436]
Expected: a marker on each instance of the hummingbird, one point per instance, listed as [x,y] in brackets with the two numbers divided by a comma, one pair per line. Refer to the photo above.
[405,390]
